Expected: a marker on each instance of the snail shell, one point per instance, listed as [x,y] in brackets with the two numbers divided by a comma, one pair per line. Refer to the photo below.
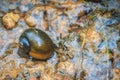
[36,44]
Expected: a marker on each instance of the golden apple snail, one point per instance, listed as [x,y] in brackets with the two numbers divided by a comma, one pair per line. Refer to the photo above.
[36,44]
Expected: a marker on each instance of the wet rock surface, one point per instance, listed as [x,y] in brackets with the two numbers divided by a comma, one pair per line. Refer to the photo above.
[87,36]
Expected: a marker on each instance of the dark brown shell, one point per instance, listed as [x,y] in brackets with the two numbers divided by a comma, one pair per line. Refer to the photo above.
[36,44]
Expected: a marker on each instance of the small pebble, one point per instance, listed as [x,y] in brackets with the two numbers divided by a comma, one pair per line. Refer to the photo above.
[29,64]
[33,78]
[10,19]
[30,20]
[94,0]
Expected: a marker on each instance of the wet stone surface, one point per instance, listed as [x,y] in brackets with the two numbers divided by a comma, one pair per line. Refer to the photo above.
[86,33]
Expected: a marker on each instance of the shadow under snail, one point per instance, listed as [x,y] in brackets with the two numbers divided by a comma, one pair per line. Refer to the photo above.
[36,44]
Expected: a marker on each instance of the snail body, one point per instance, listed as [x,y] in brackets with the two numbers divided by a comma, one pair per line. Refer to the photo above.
[36,44]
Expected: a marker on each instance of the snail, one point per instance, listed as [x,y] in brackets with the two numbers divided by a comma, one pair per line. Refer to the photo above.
[36,44]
